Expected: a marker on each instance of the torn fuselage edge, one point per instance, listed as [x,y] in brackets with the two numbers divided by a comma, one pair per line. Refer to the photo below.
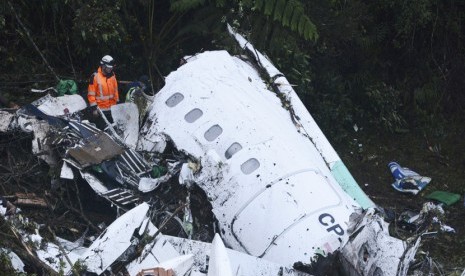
[306,122]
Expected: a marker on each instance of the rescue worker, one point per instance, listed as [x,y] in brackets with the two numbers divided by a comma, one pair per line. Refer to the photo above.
[103,90]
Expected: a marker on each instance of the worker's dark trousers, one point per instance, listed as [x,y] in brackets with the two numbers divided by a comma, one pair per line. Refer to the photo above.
[98,120]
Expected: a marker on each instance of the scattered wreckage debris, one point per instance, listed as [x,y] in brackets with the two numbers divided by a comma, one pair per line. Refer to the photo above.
[426,222]
[406,180]
[253,159]
[133,245]
[444,197]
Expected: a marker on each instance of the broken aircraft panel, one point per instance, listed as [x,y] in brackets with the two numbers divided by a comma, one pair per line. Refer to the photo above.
[82,145]
[305,123]
[95,149]
[126,118]
[134,241]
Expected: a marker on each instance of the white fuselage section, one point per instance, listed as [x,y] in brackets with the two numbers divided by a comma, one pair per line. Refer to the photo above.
[270,189]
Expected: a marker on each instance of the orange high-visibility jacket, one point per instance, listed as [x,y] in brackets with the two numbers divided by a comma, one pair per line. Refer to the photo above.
[102,91]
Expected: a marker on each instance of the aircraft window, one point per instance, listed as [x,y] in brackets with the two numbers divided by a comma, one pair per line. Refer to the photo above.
[235,147]
[193,115]
[174,99]
[250,165]
[213,132]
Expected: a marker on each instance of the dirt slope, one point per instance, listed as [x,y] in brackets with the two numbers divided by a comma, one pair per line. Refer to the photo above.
[367,155]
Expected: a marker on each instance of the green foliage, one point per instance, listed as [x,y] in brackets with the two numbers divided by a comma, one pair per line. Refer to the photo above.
[286,15]
[414,48]
[278,11]
[290,14]
[79,266]
[427,108]
[427,98]
[95,25]
[412,16]
[268,10]
[188,5]
[221,3]
[297,66]
[259,4]
[331,106]
[384,107]
[185,5]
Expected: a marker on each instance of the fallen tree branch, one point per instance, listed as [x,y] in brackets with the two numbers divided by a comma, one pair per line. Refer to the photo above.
[95,228]
[161,227]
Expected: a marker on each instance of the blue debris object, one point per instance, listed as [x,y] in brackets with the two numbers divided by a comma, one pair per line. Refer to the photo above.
[407,181]
[411,184]
[398,172]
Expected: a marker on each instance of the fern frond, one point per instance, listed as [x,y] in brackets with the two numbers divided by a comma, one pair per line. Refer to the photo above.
[298,21]
[287,14]
[259,4]
[308,26]
[269,5]
[296,15]
[220,3]
[279,10]
[311,31]
[185,5]
[301,26]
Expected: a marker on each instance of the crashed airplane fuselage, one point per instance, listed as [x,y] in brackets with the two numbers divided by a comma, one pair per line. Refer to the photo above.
[278,189]
[271,191]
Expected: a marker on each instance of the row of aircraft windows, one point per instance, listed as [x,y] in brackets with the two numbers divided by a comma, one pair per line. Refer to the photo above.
[212,133]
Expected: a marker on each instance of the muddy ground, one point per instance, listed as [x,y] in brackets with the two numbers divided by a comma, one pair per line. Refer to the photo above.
[441,157]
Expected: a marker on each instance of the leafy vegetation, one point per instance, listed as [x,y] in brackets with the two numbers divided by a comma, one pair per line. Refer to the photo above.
[353,62]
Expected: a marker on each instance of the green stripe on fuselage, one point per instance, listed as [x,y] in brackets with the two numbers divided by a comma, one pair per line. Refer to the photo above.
[350,186]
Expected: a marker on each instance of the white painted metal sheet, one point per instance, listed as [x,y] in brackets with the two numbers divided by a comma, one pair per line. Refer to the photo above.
[59,106]
[126,118]
[114,240]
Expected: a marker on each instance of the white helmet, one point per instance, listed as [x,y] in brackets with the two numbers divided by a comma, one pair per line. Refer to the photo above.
[108,61]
